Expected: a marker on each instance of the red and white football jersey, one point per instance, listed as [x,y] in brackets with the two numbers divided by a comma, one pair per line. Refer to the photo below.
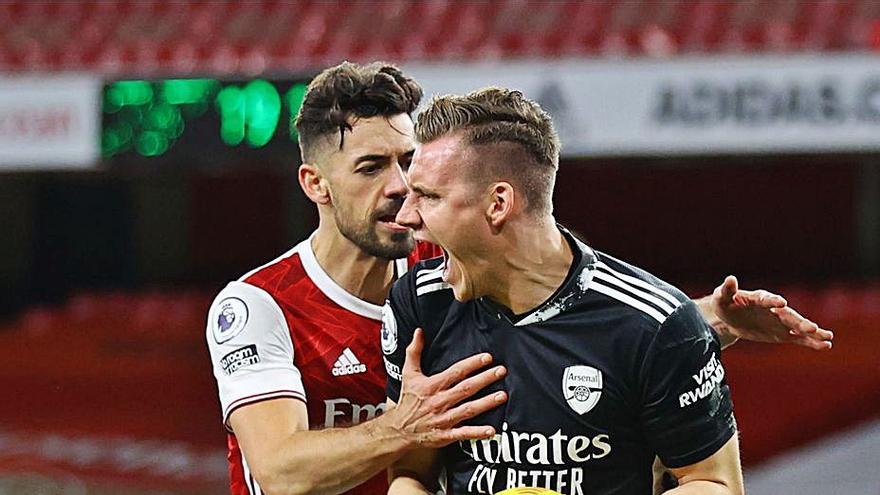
[287,329]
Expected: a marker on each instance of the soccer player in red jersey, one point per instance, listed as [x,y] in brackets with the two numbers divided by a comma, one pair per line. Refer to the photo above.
[295,343]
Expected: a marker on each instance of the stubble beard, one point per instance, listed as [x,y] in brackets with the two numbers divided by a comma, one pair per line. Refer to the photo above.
[364,236]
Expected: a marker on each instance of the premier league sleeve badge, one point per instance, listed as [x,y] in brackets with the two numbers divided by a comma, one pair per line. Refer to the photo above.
[229,319]
[389,330]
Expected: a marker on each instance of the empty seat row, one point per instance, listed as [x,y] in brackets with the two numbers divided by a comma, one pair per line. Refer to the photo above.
[231,37]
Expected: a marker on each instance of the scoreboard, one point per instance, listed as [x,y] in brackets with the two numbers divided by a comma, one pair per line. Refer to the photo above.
[149,118]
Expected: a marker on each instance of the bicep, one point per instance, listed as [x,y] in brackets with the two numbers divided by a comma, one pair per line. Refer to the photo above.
[260,427]
[687,414]
[251,349]
[721,468]
[419,468]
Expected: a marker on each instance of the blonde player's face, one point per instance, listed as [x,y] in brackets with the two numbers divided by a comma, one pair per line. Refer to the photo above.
[445,208]
[367,187]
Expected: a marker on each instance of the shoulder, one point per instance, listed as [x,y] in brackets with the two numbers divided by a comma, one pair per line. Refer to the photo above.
[419,299]
[674,317]
[422,288]
[242,308]
[250,305]
[424,277]
[287,268]
[636,292]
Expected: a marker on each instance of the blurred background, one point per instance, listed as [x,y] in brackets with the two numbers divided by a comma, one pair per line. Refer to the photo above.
[147,157]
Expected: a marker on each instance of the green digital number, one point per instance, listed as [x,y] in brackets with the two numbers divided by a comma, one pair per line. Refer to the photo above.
[249,114]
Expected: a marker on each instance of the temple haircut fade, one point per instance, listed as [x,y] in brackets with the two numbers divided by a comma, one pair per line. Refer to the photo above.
[514,139]
[346,92]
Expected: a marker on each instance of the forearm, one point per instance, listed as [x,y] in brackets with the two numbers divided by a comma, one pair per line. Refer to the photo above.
[418,472]
[330,461]
[704,304]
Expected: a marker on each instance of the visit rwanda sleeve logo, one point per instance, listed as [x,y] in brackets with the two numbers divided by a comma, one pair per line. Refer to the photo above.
[582,387]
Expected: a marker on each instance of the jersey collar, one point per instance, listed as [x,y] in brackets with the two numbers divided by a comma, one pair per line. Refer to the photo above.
[333,290]
[572,289]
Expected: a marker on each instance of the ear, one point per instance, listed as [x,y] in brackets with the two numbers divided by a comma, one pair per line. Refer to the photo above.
[313,183]
[501,203]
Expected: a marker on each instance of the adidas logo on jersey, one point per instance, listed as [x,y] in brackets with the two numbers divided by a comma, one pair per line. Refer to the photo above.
[347,364]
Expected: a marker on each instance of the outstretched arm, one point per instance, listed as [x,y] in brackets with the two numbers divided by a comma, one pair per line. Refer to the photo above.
[760,316]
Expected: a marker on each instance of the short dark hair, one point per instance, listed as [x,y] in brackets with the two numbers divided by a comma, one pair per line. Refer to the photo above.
[525,145]
[350,90]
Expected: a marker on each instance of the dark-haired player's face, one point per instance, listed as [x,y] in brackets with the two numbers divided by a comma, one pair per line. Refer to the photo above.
[366,184]
[444,207]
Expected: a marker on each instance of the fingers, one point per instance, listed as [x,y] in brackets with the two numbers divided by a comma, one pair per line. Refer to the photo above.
[789,317]
[413,361]
[471,409]
[800,325]
[728,288]
[811,343]
[472,385]
[804,331]
[809,328]
[762,298]
[461,370]
[771,300]
[441,438]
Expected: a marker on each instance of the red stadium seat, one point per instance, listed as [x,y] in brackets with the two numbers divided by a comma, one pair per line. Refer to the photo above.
[142,37]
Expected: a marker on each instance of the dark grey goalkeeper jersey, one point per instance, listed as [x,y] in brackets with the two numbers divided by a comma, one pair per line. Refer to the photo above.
[615,367]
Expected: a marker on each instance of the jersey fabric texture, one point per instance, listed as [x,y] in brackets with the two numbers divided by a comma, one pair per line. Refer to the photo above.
[287,330]
[613,368]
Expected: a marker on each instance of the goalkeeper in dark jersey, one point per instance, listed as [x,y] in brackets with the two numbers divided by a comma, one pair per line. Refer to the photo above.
[606,365]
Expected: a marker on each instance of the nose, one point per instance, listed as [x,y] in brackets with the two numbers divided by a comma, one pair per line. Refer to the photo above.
[395,187]
[408,216]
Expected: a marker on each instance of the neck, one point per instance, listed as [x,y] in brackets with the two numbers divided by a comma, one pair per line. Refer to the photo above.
[365,276]
[538,260]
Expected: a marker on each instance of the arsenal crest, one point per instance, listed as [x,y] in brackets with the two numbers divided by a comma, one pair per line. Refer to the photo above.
[582,387]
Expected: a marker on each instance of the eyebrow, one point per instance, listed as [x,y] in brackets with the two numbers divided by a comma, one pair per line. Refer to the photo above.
[370,158]
[421,190]
[380,157]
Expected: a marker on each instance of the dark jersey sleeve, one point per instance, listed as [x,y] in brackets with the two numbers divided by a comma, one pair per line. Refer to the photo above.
[399,322]
[687,414]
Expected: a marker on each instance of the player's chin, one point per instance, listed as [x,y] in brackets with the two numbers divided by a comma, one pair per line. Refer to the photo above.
[459,293]
[461,289]
[397,244]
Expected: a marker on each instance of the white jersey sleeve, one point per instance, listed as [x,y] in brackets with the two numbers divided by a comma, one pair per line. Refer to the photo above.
[251,348]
